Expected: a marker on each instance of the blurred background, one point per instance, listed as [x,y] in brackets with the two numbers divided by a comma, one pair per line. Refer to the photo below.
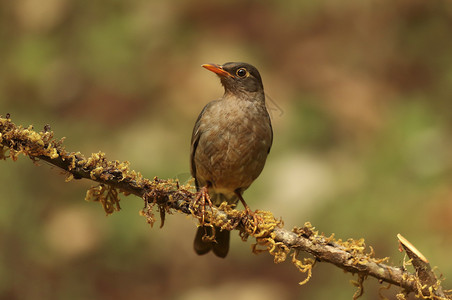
[360,97]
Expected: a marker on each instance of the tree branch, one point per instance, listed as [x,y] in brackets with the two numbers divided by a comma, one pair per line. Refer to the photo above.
[114,177]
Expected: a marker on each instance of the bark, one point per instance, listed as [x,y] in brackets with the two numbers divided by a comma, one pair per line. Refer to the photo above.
[114,177]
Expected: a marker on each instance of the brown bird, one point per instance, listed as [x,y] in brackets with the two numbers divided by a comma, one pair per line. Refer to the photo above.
[229,146]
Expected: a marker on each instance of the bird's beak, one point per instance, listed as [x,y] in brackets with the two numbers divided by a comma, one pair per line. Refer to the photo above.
[217,69]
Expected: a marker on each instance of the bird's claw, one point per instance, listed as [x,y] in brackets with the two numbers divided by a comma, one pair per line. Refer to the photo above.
[255,218]
[202,199]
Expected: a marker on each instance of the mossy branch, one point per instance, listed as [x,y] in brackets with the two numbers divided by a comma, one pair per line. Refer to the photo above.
[169,196]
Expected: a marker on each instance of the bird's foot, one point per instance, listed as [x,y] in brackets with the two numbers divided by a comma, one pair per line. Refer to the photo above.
[256,219]
[202,200]
[249,213]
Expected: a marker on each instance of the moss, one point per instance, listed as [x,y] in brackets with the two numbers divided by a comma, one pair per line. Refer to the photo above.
[114,178]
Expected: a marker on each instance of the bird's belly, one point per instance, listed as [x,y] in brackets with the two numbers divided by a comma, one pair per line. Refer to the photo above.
[234,157]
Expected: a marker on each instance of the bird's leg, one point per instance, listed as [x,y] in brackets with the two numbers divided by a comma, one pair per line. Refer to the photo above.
[203,198]
[248,210]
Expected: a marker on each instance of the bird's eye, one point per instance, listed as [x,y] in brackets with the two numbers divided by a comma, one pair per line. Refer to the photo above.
[241,72]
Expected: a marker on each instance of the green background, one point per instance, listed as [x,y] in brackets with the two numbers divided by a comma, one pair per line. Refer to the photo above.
[360,98]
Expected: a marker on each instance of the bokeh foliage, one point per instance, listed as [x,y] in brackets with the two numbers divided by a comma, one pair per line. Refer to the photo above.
[360,99]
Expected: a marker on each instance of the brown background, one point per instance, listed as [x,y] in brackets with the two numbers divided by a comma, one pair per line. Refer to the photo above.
[360,97]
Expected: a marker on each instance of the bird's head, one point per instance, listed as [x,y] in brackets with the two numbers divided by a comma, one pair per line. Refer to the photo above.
[238,78]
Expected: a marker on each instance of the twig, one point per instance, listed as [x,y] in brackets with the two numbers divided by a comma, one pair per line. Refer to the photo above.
[428,285]
[114,177]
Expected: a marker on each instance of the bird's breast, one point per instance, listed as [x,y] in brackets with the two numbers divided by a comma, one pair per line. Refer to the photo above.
[233,146]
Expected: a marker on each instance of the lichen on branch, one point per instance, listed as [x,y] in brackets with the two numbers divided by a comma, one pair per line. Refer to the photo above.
[168,196]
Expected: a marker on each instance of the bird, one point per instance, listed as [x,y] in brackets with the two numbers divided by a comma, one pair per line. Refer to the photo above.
[229,146]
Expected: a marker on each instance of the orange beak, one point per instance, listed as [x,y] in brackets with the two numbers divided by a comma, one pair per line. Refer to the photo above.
[217,69]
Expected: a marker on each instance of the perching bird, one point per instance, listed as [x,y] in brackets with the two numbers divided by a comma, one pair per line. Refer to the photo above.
[230,143]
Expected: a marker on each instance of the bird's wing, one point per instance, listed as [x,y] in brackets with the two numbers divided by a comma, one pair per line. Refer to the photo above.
[271,131]
[195,140]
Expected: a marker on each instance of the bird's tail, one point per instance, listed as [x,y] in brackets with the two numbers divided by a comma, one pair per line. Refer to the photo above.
[220,246]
